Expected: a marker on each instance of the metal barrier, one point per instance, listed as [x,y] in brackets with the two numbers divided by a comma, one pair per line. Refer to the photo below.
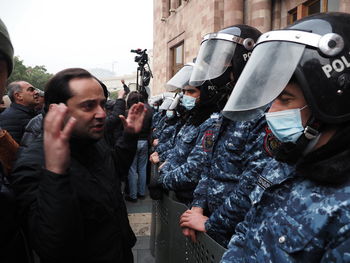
[179,244]
[205,250]
[155,209]
[170,245]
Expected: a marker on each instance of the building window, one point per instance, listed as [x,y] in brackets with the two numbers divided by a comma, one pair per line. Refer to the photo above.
[177,58]
[312,7]
[292,16]
[332,5]
[169,7]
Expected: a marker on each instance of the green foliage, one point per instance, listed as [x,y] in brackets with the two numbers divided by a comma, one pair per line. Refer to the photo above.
[37,76]
[113,95]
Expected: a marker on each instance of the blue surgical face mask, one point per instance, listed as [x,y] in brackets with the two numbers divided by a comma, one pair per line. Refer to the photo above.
[286,125]
[169,114]
[188,102]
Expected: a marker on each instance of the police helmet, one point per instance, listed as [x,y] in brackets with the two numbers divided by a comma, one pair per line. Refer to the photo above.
[316,50]
[175,102]
[167,101]
[6,48]
[223,53]
[156,100]
[181,78]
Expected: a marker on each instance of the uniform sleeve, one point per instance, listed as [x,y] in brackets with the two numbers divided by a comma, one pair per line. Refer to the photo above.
[200,193]
[235,248]
[164,147]
[221,224]
[167,153]
[157,130]
[166,141]
[341,251]
[187,175]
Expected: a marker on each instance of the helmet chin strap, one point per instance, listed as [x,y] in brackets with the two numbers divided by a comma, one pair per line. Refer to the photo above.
[291,152]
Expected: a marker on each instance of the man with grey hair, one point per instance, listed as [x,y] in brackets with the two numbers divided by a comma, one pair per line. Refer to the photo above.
[24,98]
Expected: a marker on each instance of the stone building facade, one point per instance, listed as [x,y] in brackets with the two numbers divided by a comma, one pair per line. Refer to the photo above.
[179,25]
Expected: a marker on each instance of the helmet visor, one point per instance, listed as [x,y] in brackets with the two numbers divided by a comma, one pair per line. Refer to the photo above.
[266,74]
[180,79]
[214,57]
[166,103]
[155,99]
[175,102]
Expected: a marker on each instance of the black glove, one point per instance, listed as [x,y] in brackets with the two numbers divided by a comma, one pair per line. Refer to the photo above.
[155,191]
[155,188]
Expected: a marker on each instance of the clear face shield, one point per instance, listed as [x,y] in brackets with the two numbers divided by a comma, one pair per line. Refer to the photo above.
[214,57]
[269,69]
[168,100]
[155,99]
[175,102]
[180,79]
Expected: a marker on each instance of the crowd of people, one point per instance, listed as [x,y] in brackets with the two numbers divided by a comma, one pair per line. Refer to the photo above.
[251,136]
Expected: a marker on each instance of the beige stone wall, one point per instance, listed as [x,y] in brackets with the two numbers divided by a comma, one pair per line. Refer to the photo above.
[195,18]
[344,6]
[189,23]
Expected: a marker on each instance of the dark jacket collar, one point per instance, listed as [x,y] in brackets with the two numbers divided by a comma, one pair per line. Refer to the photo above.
[22,107]
[330,164]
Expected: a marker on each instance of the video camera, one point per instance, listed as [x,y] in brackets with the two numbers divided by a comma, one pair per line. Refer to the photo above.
[142,59]
[144,73]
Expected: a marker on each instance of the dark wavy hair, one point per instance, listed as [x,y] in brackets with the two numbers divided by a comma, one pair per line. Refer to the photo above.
[57,89]
[133,98]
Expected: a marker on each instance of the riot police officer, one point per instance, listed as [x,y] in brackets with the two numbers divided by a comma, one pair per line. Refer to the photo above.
[240,144]
[186,160]
[304,71]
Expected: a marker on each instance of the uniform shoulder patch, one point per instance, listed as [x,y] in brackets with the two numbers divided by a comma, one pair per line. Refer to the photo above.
[208,141]
[271,143]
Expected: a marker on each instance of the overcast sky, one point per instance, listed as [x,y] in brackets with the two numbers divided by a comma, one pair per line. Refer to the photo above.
[79,33]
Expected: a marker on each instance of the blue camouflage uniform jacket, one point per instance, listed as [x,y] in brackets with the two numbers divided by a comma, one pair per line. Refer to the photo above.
[167,139]
[157,125]
[157,115]
[293,219]
[237,143]
[236,202]
[191,154]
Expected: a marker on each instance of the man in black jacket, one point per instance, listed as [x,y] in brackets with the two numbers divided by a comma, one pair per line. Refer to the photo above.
[68,181]
[24,98]
[12,248]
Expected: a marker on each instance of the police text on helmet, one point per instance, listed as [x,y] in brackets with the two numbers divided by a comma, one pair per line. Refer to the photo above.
[337,65]
[246,56]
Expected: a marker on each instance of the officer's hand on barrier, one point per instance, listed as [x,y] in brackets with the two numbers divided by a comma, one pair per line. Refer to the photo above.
[188,232]
[155,142]
[193,220]
[154,158]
